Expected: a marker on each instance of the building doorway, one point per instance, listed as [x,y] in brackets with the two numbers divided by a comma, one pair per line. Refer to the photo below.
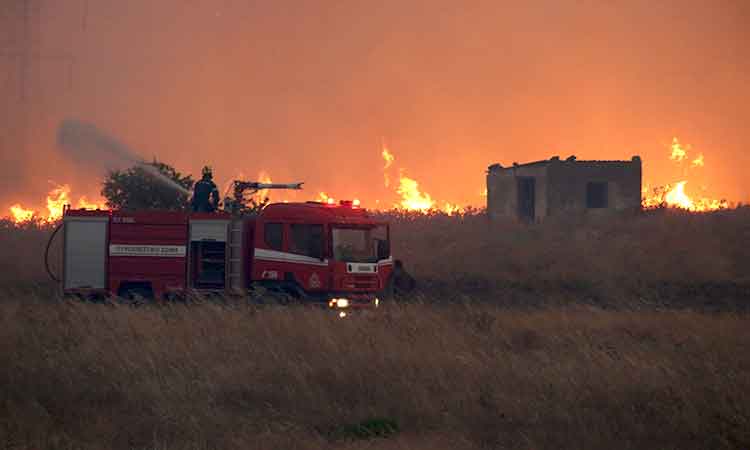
[527,198]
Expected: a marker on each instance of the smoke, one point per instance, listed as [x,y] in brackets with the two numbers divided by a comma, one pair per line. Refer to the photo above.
[87,145]
[154,172]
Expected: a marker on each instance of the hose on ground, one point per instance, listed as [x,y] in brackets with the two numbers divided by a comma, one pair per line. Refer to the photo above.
[46,253]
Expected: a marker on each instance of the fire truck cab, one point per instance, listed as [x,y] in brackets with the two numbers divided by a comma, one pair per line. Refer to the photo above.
[334,254]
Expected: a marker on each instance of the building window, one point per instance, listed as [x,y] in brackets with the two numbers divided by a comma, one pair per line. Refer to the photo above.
[597,195]
[306,240]
[273,235]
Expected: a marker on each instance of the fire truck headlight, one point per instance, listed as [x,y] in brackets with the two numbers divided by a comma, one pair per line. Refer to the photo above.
[342,303]
[342,314]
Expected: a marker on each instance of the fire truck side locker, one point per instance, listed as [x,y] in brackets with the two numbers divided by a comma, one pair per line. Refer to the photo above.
[208,254]
[85,251]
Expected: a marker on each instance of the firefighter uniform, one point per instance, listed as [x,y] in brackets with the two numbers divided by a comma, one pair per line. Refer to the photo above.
[205,193]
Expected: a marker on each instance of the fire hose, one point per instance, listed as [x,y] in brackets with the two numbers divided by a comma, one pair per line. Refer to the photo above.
[46,254]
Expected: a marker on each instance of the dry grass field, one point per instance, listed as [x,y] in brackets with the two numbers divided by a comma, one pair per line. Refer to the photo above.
[628,333]
[81,376]
[659,258]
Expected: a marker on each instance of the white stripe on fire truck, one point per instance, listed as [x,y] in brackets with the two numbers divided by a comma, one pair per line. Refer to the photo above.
[169,251]
[274,255]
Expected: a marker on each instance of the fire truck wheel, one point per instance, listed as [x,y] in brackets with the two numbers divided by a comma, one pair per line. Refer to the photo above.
[175,297]
[276,294]
[74,297]
[278,297]
[135,294]
[98,297]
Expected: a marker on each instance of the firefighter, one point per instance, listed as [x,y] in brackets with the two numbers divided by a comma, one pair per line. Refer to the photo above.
[403,282]
[205,194]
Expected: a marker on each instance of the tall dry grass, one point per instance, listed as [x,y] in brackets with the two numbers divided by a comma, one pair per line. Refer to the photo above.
[661,255]
[81,376]
[22,255]
[451,374]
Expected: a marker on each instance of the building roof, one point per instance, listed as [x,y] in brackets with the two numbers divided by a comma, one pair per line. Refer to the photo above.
[556,159]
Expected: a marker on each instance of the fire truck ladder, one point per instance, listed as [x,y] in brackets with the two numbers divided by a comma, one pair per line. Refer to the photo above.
[236,259]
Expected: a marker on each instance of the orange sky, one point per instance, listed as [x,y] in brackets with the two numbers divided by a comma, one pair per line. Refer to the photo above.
[307,90]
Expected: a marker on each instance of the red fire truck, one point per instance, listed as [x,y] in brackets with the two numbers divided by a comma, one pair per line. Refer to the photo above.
[335,254]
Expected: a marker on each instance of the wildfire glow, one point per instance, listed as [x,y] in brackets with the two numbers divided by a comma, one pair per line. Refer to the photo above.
[674,195]
[412,198]
[56,200]
[19,215]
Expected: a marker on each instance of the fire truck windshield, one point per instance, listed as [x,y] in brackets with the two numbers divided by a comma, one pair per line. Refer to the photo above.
[364,245]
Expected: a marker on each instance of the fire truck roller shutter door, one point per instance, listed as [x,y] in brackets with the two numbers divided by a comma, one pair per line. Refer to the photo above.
[85,252]
[209,230]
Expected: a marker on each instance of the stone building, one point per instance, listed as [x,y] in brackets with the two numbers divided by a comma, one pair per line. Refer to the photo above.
[533,191]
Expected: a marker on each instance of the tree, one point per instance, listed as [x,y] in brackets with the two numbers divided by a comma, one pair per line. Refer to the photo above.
[147,186]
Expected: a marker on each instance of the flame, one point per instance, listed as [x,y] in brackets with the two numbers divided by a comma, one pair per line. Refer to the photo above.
[83,203]
[324,198]
[678,198]
[451,209]
[264,177]
[56,200]
[411,197]
[678,153]
[20,215]
[674,195]
[388,157]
